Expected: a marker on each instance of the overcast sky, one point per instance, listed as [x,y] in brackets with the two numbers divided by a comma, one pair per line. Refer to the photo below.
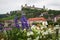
[10,5]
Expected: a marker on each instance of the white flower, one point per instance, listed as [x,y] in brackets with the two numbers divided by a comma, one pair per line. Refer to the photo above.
[42,27]
[38,32]
[28,38]
[45,26]
[24,29]
[50,31]
[2,39]
[42,31]
[33,27]
[30,33]
[40,36]
[36,38]
[45,33]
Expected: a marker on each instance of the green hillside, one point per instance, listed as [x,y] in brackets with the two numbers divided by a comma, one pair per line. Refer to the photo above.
[30,13]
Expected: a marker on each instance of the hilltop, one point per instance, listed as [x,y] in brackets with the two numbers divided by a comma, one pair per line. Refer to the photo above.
[30,12]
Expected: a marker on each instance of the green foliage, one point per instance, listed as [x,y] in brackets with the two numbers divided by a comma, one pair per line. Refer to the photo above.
[55,12]
[58,21]
[30,13]
[15,34]
[19,34]
[50,22]
[9,17]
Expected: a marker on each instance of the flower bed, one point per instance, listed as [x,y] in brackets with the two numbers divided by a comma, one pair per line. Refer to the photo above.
[30,34]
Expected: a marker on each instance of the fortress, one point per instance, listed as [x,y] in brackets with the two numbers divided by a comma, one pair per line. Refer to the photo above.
[32,7]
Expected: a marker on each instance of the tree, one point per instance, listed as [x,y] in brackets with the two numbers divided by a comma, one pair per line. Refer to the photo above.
[58,21]
[50,22]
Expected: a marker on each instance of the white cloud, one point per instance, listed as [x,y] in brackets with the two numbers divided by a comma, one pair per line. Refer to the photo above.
[54,4]
[8,5]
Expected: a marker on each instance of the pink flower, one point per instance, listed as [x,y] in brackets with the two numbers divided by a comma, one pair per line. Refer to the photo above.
[7,28]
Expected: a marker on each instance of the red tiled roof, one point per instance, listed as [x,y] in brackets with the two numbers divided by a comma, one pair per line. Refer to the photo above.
[37,19]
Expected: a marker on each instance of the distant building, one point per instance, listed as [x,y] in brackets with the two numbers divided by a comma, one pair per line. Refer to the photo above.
[44,13]
[8,22]
[32,7]
[56,18]
[39,20]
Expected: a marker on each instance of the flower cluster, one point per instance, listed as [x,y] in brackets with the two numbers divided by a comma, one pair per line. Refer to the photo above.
[16,22]
[40,32]
[35,33]
[24,22]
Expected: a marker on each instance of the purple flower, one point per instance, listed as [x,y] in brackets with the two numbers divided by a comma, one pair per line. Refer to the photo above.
[16,22]
[7,28]
[1,24]
[24,22]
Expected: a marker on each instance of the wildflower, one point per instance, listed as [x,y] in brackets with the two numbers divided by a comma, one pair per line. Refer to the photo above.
[16,22]
[24,22]
[7,28]
[30,33]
